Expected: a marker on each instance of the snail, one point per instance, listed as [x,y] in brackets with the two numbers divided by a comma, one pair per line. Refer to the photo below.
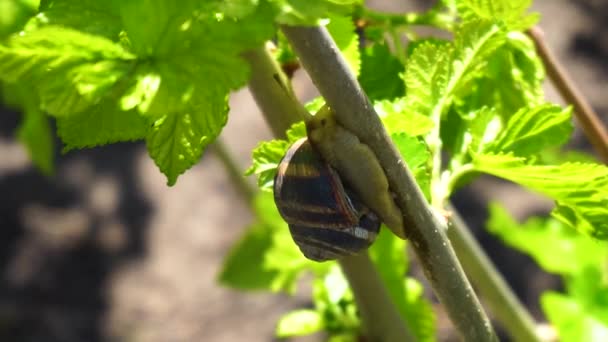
[326,219]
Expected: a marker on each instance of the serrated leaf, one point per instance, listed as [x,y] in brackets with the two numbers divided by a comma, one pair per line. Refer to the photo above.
[379,76]
[513,79]
[267,155]
[299,323]
[70,69]
[579,190]
[564,251]
[342,30]
[532,129]
[511,12]
[306,12]
[102,124]
[436,71]
[177,140]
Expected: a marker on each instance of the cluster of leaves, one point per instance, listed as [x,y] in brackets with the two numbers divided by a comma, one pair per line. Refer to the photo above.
[580,313]
[105,76]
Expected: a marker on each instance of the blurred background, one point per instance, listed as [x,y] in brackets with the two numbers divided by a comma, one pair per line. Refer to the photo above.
[105,251]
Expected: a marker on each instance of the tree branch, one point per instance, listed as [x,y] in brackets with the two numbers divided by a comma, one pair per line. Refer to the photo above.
[330,73]
[273,94]
[492,288]
[590,122]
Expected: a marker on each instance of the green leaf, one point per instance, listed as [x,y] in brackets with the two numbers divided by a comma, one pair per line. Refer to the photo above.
[574,320]
[306,12]
[266,258]
[389,255]
[34,131]
[71,69]
[335,302]
[94,17]
[437,72]
[299,323]
[533,129]
[102,124]
[14,14]
[380,73]
[579,190]
[511,12]
[268,154]
[563,250]
[177,140]
[342,30]
[417,156]
[397,118]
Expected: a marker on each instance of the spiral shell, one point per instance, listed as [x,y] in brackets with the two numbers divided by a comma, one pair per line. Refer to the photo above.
[326,220]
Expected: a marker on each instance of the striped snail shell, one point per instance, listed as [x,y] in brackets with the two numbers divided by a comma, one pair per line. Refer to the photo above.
[326,220]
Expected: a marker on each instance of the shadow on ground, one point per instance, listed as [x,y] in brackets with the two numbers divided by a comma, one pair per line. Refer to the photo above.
[55,261]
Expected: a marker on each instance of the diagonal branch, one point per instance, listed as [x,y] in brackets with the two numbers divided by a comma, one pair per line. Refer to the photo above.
[328,70]
[588,118]
[273,94]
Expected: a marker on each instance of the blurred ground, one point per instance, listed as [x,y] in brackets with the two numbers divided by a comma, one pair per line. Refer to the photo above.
[105,251]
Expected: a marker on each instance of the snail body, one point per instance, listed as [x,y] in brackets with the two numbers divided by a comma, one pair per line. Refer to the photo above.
[345,152]
[326,220]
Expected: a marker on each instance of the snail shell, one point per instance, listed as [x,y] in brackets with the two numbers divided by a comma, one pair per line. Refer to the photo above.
[326,220]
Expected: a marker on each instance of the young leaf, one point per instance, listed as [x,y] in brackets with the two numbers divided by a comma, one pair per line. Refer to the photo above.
[417,156]
[511,12]
[268,154]
[579,190]
[512,79]
[564,251]
[379,76]
[436,72]
[532,129]
[177,140]
[299,323]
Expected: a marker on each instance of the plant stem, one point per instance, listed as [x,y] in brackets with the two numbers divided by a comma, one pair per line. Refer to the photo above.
[234,171]
[330,73]
[381,320]
[269,82]
[492,288]
[273,92]
[588,118]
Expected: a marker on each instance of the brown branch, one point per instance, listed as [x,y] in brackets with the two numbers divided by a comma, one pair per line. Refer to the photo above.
[590,122]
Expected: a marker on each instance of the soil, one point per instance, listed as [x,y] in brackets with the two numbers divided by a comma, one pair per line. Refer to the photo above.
[105,251]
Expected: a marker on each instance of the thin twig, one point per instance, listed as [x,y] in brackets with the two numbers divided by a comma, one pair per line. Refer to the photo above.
[277,101]
[590,122]
[273,94]
[330,73]
[381,320]
[493,289]
[234,171]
